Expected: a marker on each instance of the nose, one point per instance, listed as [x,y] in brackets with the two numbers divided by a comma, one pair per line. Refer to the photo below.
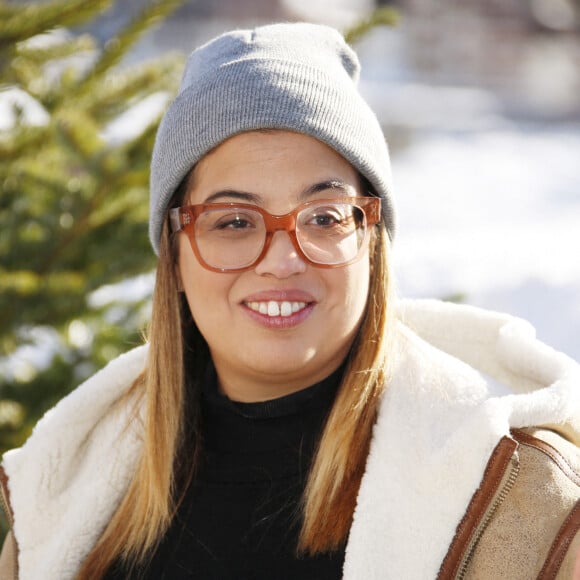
[281,260]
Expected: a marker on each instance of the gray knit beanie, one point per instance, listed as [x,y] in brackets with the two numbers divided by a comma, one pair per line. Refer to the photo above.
[298,77]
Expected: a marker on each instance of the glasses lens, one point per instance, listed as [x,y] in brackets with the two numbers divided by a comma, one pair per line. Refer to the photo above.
[230,238]
[331,233]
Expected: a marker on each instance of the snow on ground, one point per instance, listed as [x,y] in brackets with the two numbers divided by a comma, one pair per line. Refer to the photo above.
[495,216]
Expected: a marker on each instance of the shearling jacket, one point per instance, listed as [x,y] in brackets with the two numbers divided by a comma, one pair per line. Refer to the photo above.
[473,470]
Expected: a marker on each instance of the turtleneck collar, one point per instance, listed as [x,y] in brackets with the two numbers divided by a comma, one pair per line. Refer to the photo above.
[274,408]
[270,439]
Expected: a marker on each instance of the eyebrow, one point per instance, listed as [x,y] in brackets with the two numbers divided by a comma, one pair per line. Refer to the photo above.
[332,184]
[232,193]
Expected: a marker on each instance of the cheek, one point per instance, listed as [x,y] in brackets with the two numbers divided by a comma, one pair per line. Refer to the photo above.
[206,292]
[194,280]
[350,288]
[359,278]
[360,289]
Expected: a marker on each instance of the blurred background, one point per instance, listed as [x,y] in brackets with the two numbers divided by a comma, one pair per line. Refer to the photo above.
[479,101]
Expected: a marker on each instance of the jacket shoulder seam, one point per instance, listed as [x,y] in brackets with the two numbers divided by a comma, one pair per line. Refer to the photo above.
[550,451]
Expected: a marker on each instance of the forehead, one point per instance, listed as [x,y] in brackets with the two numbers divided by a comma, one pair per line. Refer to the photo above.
[277,165]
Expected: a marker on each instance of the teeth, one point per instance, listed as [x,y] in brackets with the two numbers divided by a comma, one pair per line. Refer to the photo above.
[273,308]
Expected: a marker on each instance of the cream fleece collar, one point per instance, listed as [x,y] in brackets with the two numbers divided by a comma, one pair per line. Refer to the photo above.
[437,427]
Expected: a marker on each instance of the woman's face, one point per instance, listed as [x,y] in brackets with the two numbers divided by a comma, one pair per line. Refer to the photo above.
[260,356]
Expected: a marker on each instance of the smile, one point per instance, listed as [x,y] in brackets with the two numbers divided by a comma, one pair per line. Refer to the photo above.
[273,308]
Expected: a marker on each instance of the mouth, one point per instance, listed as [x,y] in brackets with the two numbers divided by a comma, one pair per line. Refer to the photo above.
[274,308]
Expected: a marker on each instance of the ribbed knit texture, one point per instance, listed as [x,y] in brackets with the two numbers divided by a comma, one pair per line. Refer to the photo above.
[240,518]
[298,77]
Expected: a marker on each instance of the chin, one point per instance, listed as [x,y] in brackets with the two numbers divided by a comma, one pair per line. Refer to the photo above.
[294,366]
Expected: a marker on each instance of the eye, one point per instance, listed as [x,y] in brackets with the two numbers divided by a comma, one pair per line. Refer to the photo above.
[327,216]
[234,221]
[325,219]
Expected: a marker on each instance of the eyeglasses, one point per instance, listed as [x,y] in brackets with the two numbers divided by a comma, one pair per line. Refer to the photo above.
[233,237]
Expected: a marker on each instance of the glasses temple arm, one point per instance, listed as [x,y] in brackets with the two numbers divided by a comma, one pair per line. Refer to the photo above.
[175,219]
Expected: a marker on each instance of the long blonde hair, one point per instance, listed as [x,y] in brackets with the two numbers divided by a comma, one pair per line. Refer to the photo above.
[169,387]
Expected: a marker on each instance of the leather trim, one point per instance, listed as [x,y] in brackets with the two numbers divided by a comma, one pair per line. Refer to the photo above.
[9,553]
[531,441]
[492,476]
[6,491]
[560,546]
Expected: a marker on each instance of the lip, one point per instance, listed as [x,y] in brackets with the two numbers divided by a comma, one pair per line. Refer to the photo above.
[280,322]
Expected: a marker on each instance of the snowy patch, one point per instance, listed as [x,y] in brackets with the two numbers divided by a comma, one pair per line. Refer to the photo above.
[494,216]
[15,102]
[133,122]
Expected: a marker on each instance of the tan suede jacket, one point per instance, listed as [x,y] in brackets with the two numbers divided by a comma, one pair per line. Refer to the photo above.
[521,524]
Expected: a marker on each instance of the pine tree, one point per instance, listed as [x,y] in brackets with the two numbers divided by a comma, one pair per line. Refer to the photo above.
[74,201]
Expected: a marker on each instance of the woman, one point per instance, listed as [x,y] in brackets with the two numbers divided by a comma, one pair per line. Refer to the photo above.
[289,418]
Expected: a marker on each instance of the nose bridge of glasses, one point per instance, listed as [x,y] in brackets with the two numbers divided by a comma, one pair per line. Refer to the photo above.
[276,223]
[281,223]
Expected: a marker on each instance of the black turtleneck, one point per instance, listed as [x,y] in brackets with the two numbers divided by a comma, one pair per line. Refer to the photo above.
[240,517]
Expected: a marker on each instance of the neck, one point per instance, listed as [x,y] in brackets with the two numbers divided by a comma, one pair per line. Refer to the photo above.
[245,388]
